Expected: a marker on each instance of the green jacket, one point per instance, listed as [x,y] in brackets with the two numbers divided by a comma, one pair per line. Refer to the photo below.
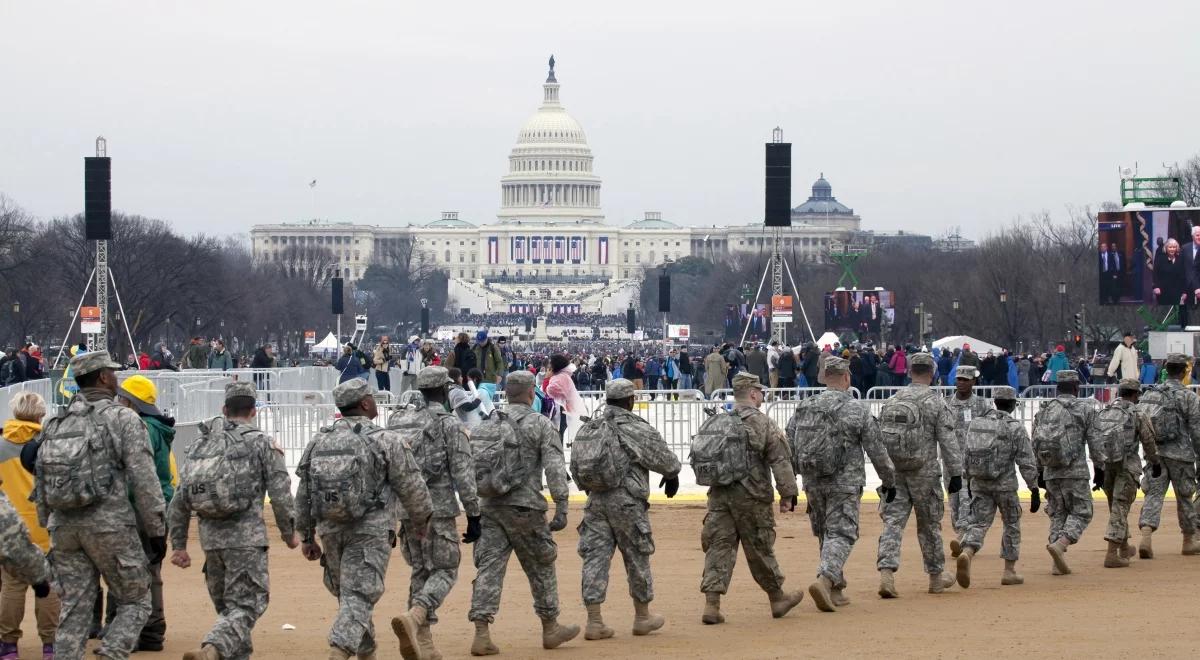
[489,361]
[162,433]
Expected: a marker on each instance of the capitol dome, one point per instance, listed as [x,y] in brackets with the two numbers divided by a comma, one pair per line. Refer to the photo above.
[550,177]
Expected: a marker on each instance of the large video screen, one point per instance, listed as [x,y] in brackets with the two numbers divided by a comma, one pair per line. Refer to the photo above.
[1149,257]
[862,310]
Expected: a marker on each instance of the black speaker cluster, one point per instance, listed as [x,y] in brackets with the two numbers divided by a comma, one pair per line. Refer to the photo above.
[337,295]
[778,208]
[97,198]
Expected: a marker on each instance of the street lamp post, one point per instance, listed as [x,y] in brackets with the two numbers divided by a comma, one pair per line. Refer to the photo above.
[1004,305]
[1062,308]
[956,306]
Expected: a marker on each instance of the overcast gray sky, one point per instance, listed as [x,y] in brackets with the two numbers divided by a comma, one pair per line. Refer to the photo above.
[923,115]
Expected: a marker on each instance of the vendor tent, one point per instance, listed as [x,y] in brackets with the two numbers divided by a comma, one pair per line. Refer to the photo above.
[329,344]
[979,346]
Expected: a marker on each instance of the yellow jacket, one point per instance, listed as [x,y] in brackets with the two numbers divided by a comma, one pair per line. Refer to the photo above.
[17,484]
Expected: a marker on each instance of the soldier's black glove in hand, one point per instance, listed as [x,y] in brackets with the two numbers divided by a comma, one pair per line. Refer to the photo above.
[670,486]
[1041,480]
[1035,501]
[158,549]
[474,529]
[41,589]
[559,522]
[1098,479]
[955,484]
[1156,470]
[889,495]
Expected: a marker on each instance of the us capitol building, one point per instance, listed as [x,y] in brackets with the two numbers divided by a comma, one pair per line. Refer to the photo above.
[551,246]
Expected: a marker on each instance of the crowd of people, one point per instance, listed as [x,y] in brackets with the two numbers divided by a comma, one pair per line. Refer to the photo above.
[20,365]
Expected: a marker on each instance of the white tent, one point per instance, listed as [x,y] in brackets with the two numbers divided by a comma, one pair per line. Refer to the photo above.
[827,339]
[977,345]
[329,344]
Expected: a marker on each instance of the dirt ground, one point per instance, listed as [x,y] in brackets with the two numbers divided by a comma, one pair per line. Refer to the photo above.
[1095,612]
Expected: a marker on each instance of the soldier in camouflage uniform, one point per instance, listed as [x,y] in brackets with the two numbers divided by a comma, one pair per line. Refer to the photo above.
[18,554]
[516,522]
[966,405]
[740,513]
[1121,476]
[439,442]
[1012,447]
[618,518]
[920,489]
[1179,448]
[833,499]
[235,547]
[101,539]
[1068,499]
[355,554]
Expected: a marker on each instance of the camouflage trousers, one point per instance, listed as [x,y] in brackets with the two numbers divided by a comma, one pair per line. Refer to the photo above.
[79,557]
[434,563]
[733,520]
[1180,475]
[239,587]
[920,493]
[611,522]
[355,563]
[508,530]
[960,508]
[984,505]
[834,519]
[1120,487]
[1069,505]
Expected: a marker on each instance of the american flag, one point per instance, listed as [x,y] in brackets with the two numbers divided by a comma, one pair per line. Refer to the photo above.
[535,250]
[560,249]
[493,250]
[518,249]
[603,250]
[576,249]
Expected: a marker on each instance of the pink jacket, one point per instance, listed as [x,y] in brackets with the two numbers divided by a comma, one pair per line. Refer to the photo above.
[562,389]
[899,363]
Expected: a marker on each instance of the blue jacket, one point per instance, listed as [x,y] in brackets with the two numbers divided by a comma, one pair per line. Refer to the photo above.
[1058,362]
[653,367]
[1149,375]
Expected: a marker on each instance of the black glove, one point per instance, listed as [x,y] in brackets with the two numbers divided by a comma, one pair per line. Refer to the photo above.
[1098,479]
[889,495]
[41,589]
[795,502]
[1041,480]
[1035,501]
[158,549]
[955,484]
[670,486]
[559,522]
[1156,470]
[474,529]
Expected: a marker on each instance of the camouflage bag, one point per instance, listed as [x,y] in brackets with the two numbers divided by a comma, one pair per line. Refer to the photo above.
[901,429]
[598,459]
[497,451]
[420,428]
[219,475]
[818,438]
[76,466]
[344,473]
[1115,428]
[1057,435]
[1168,415]
[982,444]
[720,451]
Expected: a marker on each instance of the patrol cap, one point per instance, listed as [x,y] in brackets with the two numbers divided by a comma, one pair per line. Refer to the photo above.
[966,371]
[240,388]
[836,365]
[86,363]
[1129,385]
[1003,393]
[431,378]
[745,380]
[519,380]
[921,358]
[349,393]
[618,388]
[1176,358]
[1067,376]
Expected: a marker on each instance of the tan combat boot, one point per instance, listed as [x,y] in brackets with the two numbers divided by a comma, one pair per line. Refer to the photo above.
[338,654]
[712,609]
[1113,558]
[595,624]
[887,583]
[555,635]
[822,594]
[1058,552]
[839,598]
[365,656]
[1127,550]
[425,641]
[963,574]
[1145,548]
[644,622]
[405,626]
[1191,546]
[940,583]
[1011,576]
[782,603]
[482,644]
[206,652]
[956,547]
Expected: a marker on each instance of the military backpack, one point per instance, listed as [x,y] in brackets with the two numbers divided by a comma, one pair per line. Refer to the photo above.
[1057,435]
[496,446]
[1115,428]
[720,451]
[219,476]
[902,429]
[345,473]
[77,465]
[1168,418]
[599,460]
[818,437]
[420,428]
[983,445]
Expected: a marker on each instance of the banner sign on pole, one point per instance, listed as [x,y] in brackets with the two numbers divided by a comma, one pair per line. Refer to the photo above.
[781,309]
[89,320]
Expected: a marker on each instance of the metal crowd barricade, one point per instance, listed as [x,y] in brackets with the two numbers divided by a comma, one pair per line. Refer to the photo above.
[779,393]
[41,386]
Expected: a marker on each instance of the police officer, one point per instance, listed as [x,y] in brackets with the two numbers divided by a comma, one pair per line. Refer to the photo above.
[740,513]
[356,552]
[516,522]
[1003,442]
[617,518]
[92,533]
[440,444]
[235,546]
[1177,428]
[919,487]
[966,405]
[833,498]
[1123,470]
